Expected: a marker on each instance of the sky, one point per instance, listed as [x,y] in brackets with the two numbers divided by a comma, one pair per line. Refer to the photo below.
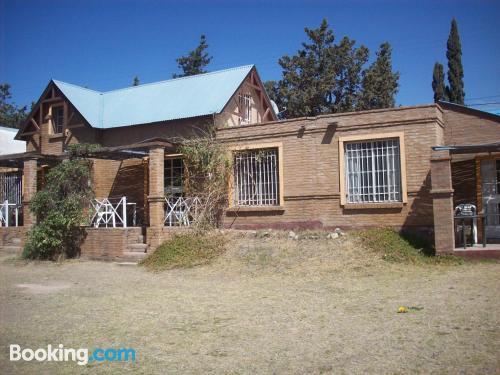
[103,44]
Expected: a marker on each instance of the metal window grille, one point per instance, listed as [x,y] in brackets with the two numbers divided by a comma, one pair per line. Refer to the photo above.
[245,108]
[58,119]
[11,188]
[373,171]
[256,178]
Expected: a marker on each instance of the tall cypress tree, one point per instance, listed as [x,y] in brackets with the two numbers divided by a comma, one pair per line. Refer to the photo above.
[195,61]
[438,83]
[380,83]
[136,81]
[456,92]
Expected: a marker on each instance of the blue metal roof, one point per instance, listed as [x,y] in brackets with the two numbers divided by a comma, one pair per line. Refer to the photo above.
[185,97]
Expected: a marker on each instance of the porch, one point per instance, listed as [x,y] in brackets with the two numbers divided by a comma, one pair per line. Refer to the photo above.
[466,200]
[128,216]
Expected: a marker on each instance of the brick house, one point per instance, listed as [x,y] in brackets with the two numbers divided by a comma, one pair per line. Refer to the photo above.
[406,168]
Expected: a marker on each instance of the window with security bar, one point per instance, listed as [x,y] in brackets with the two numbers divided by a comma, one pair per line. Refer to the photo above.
[256,179]
[373,171]
[245,108]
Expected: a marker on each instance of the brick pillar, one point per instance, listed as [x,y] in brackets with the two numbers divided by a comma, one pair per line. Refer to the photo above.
[29,190]
[442,202]
[156,189]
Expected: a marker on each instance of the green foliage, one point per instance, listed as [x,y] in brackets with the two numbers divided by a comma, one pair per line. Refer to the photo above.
[398,248]
[456,92]
[11,115]
[196,61]
[324,77]
[60,209]
[136,81]
[185,250]
[438,86]
[208,166]
[380,83]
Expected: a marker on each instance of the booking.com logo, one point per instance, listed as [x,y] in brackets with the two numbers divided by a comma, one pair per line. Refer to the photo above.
[80,356]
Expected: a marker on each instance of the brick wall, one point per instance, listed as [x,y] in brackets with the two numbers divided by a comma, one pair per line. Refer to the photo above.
[108,243]
[311,168]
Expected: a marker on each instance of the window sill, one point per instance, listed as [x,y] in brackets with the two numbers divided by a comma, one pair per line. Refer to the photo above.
[256,209]
[367,206]
[56,136]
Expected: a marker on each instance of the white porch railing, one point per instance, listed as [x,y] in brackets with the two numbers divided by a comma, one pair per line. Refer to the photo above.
[181,211]
[6,211]
[111,212]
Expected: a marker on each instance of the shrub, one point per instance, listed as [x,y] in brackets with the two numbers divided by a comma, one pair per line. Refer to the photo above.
[398,248]
[60,209]
[186,250]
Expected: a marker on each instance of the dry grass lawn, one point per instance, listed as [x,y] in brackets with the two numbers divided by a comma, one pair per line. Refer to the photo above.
[269,305]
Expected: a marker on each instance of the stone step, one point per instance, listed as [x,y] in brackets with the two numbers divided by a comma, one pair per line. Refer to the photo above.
[133,256]
[11,249]
[137,247]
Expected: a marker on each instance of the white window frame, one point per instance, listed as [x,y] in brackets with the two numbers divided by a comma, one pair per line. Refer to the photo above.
[245,108]
[343,170]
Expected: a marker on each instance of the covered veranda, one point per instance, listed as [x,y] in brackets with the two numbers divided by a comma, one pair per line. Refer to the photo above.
[155,215]
[466,199]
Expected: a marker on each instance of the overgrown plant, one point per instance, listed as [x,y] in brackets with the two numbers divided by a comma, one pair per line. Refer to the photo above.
[208,166]
[60,208]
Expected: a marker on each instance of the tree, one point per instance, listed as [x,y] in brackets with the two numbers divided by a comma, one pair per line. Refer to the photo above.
[349,62]
[379,83]
[11,115]
[456,92]
[136,81]
[195,61]
[438,86]
[308,76]
[60,208]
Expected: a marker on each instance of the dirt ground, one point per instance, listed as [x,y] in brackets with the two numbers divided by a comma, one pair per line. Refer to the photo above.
[268,306]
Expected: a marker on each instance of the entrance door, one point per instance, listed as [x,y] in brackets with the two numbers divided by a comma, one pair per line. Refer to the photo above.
[490,177]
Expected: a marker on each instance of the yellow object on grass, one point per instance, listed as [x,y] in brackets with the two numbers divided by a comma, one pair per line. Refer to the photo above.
[402,309]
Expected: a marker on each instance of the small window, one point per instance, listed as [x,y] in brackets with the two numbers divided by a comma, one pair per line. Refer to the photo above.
[373,171]
[173,177]
[245,108]
[57,119]
[256,179]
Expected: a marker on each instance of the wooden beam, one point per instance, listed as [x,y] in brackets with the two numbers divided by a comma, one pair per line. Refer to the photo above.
[266,113]
[52,100]
[34,123]
[75,126]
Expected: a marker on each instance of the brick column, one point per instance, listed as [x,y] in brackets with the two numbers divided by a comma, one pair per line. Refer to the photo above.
[156,197]
[29,190]
[442,202]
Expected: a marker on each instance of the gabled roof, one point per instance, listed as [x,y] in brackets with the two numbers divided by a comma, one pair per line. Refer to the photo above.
[185,97]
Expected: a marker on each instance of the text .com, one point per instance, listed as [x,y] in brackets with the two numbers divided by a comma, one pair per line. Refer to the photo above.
[61,354]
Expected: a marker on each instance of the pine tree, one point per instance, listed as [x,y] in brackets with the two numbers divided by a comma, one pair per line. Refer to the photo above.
[456,92]
[11,115]
[136,81]
[438,86]
[195,61]
[322,77]
[379,83]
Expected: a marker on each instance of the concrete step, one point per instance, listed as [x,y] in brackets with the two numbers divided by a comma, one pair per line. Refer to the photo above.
[132,255]
[11,249]
[137,247]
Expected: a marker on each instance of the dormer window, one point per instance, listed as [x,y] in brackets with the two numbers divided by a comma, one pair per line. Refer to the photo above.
[57,119]
[245,108]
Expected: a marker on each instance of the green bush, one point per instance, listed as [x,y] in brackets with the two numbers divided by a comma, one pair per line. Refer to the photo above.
[60,209]
[185,250]
[402,248]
